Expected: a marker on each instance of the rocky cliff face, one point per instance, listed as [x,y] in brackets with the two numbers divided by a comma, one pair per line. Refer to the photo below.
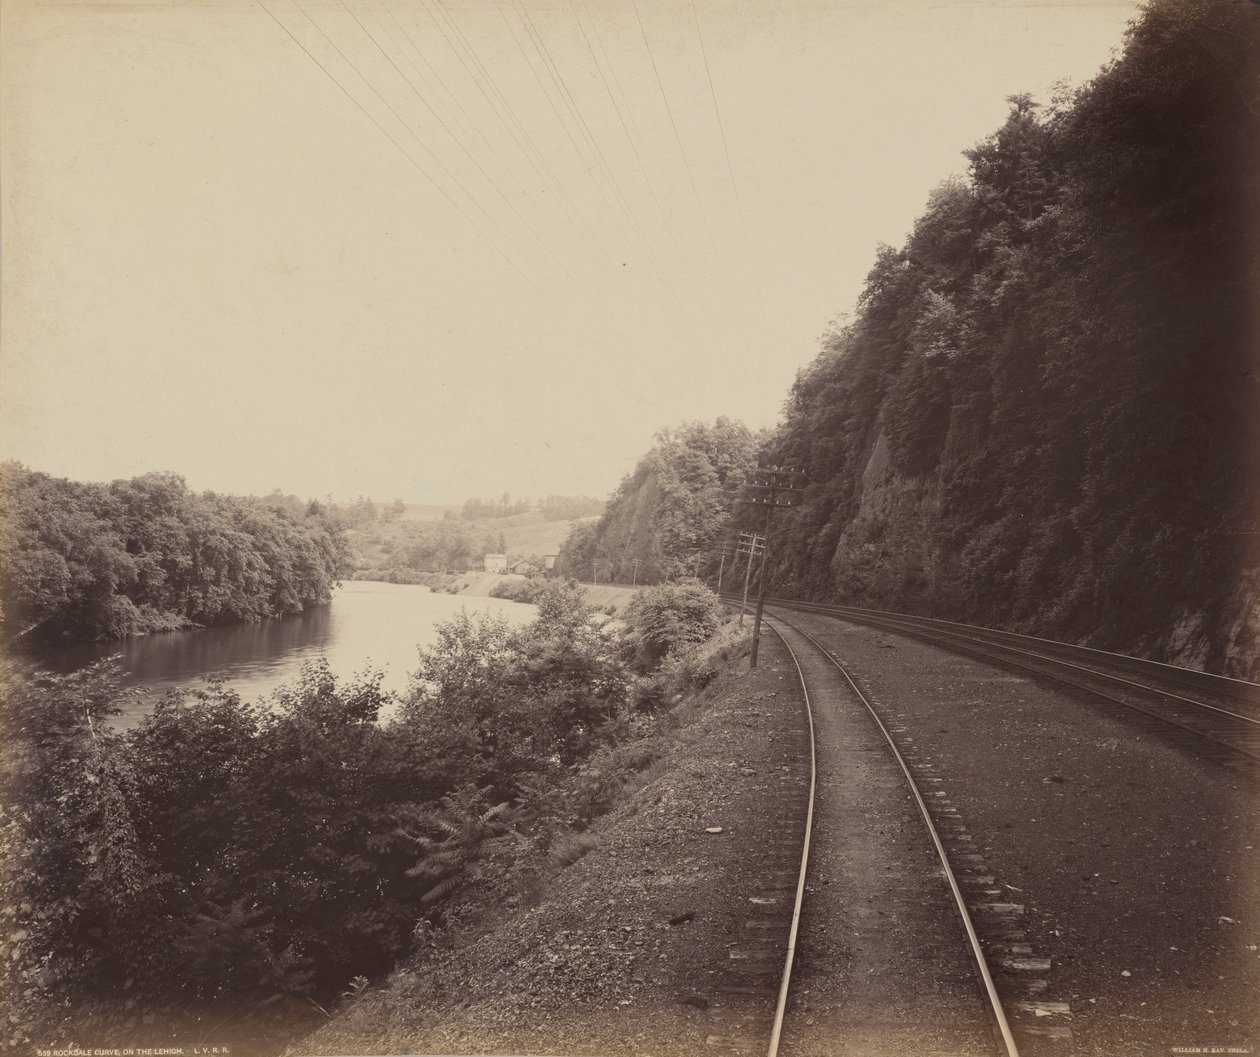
[1045,413]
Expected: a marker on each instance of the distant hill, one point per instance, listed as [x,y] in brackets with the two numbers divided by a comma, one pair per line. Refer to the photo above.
[429,511]
[527,534]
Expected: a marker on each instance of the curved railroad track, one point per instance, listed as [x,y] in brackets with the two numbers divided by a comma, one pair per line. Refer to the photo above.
[1213,714]
[988,928]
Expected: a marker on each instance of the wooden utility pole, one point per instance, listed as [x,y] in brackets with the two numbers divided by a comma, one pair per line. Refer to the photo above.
[750,544]
[770,487]
[726,550]
[636,563]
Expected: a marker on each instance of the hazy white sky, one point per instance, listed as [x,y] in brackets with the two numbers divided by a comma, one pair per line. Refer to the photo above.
[443,248]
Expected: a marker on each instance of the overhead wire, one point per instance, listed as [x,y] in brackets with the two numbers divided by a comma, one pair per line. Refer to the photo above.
[476,128]
[437,76]
[622,113]
[427,149]
[503,110]
[586,147]
[401,149]
[603,194]
[717,257]
[597,152]
[726,150]
[459,143]
[560,120]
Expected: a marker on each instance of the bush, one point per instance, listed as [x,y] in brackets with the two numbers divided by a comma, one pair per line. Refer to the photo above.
[668,618]
[222,853]
[519,590]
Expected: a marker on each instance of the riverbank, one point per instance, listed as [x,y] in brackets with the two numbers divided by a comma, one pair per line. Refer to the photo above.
[601,596]
[359,830]
[624,949]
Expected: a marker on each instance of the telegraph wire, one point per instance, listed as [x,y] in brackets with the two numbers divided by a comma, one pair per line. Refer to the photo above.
[621,116]
[532,153]
[717,257]
[560,120]
[567,96]
[401,149]
[459,143]
[437,76]
[726,150]
[603,194]
[411,132]
[638,157]
[469,122]
[637,134]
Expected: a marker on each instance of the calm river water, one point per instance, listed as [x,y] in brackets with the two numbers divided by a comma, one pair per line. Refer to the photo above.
[365,624]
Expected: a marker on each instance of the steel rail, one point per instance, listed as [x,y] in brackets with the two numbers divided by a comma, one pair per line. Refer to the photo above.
[973,939]
[926,626]
[1226,685]
[958,642]
[776,1029]
[897,622]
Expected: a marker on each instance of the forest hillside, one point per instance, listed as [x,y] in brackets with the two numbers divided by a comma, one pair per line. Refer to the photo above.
[1042,414]
[670,512]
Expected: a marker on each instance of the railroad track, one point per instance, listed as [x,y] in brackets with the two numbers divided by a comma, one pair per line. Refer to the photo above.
[1214,715]
[933,1005]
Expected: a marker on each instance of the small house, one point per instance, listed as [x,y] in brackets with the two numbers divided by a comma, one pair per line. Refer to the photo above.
[496,563]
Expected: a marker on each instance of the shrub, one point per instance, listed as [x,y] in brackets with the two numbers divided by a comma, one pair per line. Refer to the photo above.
[668,618]
[519,590]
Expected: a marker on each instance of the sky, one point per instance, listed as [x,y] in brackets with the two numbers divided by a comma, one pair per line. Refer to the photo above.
[434,249]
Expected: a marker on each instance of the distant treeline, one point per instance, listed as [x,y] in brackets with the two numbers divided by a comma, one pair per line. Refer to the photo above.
[553,508]
[89,561]
[409,552]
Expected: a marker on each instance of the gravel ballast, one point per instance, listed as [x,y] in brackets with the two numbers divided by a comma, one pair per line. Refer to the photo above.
[1134,855]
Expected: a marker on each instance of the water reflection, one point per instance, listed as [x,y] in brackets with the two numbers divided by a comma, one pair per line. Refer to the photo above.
[180,655]
[367,625]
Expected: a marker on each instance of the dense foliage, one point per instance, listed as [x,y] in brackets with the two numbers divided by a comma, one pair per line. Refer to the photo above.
[411,552]
[1043,414]
[670,511]
[520,590]
[504,506]
[258,856]
[668,619]
[86,561]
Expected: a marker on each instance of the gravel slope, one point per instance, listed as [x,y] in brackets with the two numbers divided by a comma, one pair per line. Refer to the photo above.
[651,943]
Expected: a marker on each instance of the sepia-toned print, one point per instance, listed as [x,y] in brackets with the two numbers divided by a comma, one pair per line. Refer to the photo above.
[647,528]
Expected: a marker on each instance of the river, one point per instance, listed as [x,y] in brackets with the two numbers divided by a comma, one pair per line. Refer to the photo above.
[366,623]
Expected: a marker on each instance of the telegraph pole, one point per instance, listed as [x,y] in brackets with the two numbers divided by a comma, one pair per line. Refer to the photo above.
[726,549]
[594,572]
[770,487]
[750,544]
[636,563]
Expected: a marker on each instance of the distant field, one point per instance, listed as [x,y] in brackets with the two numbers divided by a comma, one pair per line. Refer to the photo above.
[524,534]
[529,534]
[428,511]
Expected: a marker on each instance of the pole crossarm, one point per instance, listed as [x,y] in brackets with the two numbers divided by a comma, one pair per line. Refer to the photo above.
[767,488]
